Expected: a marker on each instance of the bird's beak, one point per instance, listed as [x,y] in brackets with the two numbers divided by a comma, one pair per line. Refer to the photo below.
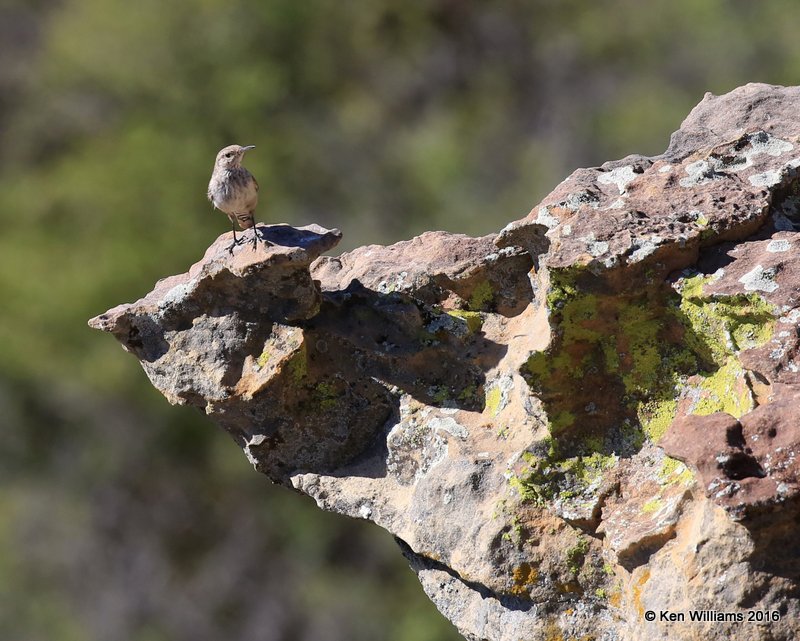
[248,147]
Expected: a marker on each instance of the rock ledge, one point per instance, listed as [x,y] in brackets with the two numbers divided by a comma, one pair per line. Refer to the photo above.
[592,414]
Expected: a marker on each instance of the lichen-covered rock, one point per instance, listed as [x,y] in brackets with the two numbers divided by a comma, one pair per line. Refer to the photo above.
[592,415]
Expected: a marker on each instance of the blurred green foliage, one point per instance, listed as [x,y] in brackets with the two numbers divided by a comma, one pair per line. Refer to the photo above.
[124,518]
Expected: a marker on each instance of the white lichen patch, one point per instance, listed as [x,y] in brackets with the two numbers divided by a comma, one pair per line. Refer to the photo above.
[500,253]
[414,444]
[642,248]
[610,261]
[776,246]
[777,353]
[760,143]
[177,294]
[620,177]
[576,200]
[498,394]
[544,217]
[718,274]
[597,248]
[704,171]
[791,318]
[665,169]
[701,172]
[766,179]
[397,283]
[448,323]
[449,425]
[764,143]
[619,203]
[759,279]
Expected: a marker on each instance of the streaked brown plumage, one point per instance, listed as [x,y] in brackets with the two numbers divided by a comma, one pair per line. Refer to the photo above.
[234,191]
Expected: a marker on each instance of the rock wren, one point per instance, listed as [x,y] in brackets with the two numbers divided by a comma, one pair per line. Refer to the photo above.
[234,191]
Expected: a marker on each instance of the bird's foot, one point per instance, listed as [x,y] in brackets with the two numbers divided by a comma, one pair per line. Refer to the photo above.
[236,242]
[257,237]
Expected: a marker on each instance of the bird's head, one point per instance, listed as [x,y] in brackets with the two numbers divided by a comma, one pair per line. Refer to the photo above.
[231,156]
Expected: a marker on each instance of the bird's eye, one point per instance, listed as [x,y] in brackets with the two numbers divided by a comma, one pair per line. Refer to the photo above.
[229,155]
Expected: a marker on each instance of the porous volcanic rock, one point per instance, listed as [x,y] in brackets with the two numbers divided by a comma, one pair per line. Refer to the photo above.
[587,417]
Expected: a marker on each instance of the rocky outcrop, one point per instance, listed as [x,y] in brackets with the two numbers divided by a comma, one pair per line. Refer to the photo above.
[584,418]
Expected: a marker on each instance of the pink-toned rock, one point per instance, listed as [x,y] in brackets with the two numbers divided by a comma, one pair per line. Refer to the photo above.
[659,211]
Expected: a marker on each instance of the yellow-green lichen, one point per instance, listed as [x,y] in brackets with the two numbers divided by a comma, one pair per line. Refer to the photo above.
[441,394]
[653,505]
[326,395]
[469,393]
[579,328]
[538,366]
[576,554]
[725,391]
[639,326]
[656,415]
[638,341]
[298,365]
[493,398]
[473,320]
[482,295]
[607,337]
[262,360]
[515,532]
[426,338]
[727,324]
[610,355]
[550,477]
[652,348]
[561,422]
[674,472]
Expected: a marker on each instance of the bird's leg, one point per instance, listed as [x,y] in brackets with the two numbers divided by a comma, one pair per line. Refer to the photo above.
[235,241]
[255,236]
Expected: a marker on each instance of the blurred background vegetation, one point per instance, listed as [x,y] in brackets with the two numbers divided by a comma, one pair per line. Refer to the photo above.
[124,518]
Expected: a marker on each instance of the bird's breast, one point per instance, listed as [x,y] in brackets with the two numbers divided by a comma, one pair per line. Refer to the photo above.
[233,191]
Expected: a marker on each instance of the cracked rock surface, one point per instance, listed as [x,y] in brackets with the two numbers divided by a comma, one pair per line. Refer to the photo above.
[592,414]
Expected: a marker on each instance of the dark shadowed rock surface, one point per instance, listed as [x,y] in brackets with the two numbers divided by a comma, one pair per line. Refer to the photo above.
[591,415]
